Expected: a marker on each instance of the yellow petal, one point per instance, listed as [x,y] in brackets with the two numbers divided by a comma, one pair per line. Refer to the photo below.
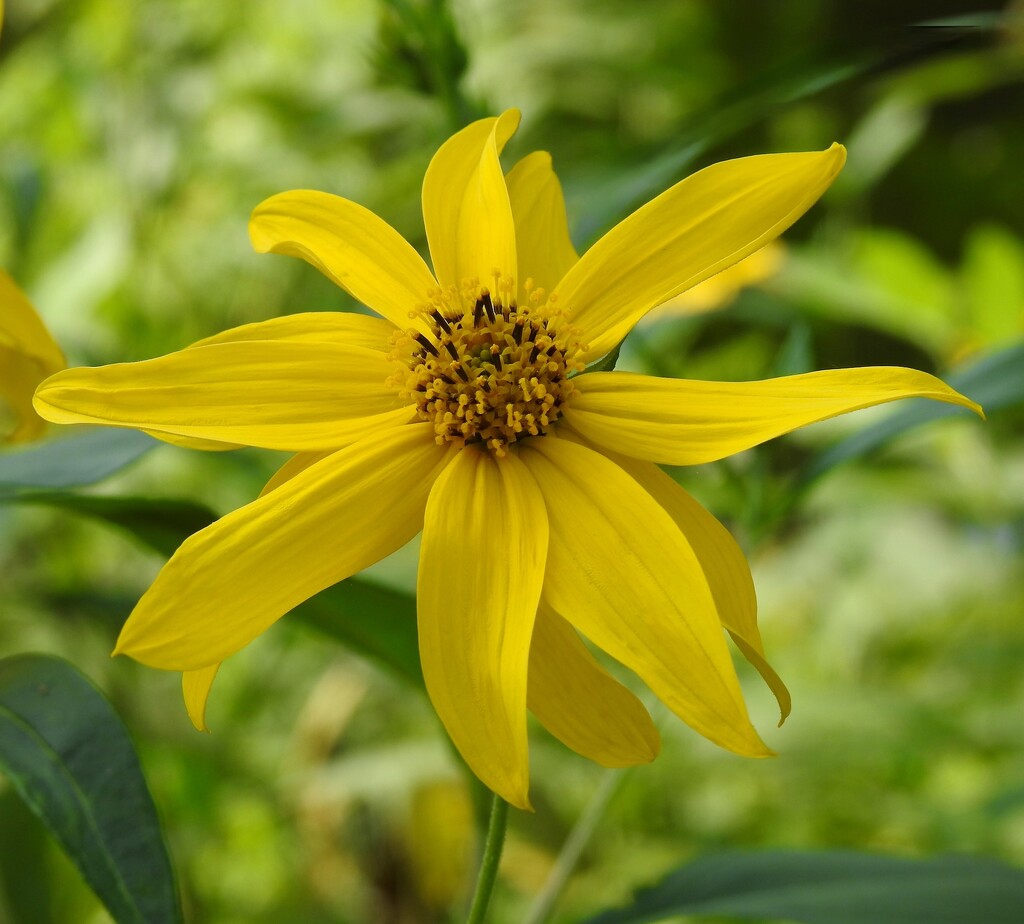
[724,566]
[580,703]
[623,574]
[195,687]
[697,228]
[481,569]
[234,579]
[466,210]
[189,442]
[22,330]
[28,354]
[348,328]
[350,245]
[686,422]
[297,463]
[19,376]
[273,394]
[344,327]
[543,245]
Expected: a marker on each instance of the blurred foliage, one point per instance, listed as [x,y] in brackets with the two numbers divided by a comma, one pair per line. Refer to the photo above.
[135,140]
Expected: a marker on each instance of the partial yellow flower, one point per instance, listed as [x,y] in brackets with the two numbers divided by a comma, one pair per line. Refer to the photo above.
[721,290]
[28,354]
[461,412]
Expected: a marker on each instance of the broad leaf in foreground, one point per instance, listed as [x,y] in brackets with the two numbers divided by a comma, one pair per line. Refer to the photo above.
[69,756]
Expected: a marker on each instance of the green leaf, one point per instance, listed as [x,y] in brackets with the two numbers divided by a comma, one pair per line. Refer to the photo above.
[995,381]
[72,461]
[375,621]
[606,203]
[157,522]
[25,874]
[606,363]
[833,887]
[993,281]
[796,355]
[69,756]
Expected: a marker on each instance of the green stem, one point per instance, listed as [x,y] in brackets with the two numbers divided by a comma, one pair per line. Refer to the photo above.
[489,864]
[573,848]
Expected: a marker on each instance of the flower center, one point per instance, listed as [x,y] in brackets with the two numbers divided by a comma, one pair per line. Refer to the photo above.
[490,371]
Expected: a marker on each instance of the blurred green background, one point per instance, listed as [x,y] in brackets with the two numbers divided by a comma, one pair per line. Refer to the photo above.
[134,141]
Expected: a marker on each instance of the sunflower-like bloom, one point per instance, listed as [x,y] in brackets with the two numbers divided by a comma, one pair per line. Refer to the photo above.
[28,354]
[461,412]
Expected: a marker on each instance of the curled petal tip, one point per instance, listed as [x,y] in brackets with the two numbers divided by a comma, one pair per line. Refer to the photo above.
[512,115]
[522,803]
[966,402]
[754,747]
[649,755]
[838,151]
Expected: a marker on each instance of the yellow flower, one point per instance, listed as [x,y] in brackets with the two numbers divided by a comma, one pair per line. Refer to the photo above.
[28,354]
[460,413]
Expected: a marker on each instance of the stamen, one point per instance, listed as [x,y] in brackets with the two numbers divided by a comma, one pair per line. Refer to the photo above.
[492,372]
[422,340]
[489,305]
[442,321]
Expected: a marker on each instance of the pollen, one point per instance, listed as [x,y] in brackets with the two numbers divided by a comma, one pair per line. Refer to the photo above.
[490,371]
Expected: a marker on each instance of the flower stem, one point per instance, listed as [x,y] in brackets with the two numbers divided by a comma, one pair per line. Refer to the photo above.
[489,864]
[572,850]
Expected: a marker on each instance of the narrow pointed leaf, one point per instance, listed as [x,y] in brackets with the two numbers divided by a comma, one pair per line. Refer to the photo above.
[72,461]
[370,619]
[162,524]
[69,756]
[832,887]
[806,77]
[995,382]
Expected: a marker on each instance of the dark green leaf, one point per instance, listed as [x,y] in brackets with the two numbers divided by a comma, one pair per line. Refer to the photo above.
[70,758]
[607,203]
[161,524]
[996,382]
[796,355]
[375,621]
[833,887]
[72,461]
[606,363]
[24,871]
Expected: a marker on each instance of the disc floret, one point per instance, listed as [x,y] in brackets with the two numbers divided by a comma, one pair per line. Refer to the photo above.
[490,371]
